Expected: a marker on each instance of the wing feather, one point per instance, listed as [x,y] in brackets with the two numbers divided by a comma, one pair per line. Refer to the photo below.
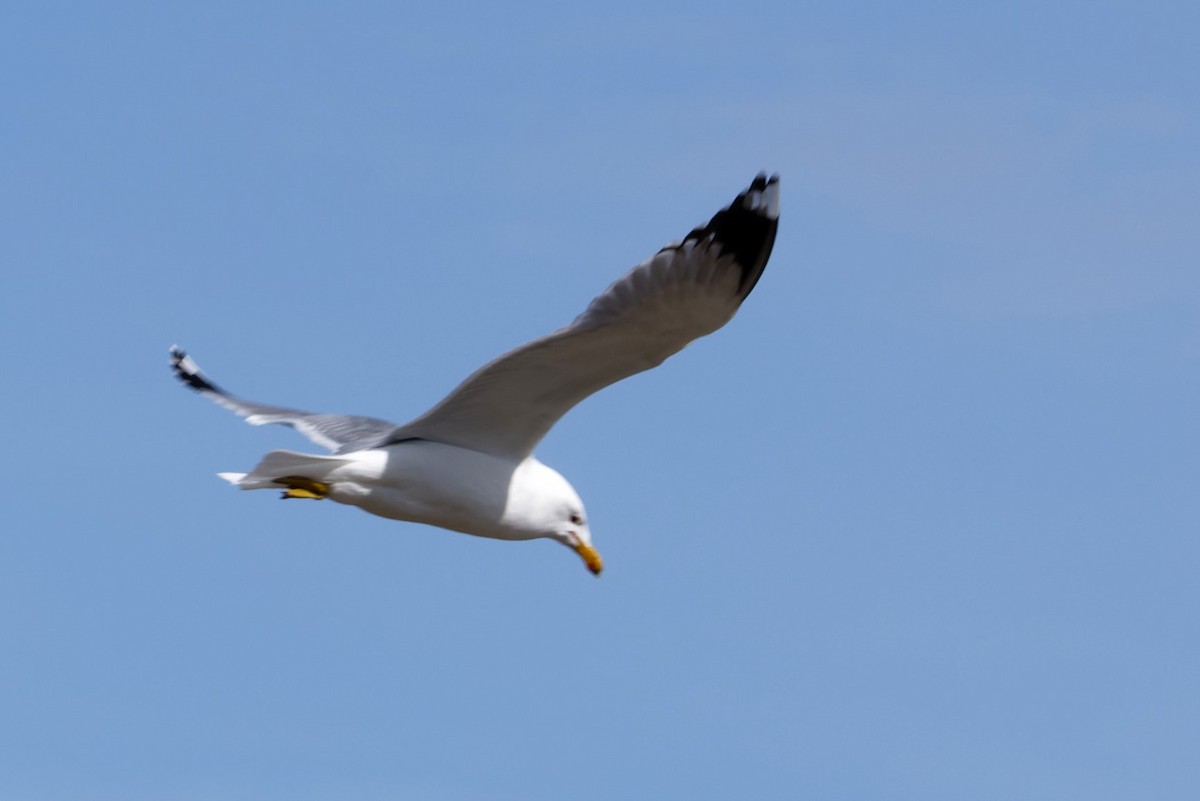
[685,291]
[337,432]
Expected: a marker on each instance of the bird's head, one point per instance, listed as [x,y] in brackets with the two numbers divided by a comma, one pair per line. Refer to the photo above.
[541,500]
[573,532]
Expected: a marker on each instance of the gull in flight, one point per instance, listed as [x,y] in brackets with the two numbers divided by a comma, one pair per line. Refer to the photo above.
[467,464]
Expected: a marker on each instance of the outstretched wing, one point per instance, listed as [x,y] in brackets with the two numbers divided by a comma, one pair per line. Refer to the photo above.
[688,289]
[339,433]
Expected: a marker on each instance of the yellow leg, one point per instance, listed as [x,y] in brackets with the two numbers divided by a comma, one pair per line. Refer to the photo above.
[300,487]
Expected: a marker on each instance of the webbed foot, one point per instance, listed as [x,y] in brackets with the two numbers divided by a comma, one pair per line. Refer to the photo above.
[301,487]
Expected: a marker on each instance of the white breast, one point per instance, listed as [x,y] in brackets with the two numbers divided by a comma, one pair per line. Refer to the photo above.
[451,487]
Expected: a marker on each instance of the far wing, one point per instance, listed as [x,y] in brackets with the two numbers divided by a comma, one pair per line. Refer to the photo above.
[683,292]
[338,432]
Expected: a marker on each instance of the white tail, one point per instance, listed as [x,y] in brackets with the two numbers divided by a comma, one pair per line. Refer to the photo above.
[278,464]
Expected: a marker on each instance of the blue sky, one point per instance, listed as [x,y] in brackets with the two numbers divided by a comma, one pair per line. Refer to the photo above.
[920,523]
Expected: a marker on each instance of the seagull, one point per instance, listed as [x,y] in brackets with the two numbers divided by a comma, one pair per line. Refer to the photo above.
[467,464]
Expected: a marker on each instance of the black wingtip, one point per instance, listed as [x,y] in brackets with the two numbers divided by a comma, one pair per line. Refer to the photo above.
[746,229]
[189,373]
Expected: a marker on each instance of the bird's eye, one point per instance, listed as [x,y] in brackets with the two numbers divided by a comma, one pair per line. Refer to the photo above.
[576,519]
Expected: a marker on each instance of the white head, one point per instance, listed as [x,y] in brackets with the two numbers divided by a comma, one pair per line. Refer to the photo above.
[547,505]
[572,530]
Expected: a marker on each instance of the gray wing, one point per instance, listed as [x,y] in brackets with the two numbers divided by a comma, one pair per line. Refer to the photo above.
[685,291]
[339,433]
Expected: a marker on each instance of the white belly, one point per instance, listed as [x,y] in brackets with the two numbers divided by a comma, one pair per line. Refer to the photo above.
[441,485]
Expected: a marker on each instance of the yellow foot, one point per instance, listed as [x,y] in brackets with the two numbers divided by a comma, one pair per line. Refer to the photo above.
[300,487]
